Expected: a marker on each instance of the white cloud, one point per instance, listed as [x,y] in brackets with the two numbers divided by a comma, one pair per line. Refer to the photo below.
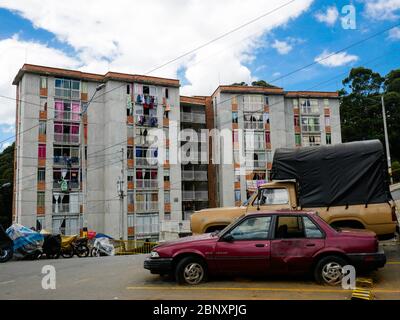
[382,9]
[328,59]
[13,53]
[282,47]
[394,33]
[4,146]
[134,37]
[329,17]
[8,129]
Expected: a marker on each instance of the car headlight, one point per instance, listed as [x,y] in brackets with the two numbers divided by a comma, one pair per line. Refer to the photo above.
[154,254]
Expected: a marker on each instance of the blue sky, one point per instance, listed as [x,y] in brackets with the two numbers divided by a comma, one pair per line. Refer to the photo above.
[101,38]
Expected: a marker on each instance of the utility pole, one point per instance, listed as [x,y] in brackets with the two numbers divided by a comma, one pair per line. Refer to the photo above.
[389,162]
[121,194]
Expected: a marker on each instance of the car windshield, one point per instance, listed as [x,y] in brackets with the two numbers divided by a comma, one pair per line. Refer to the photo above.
[246,202]
[228,226]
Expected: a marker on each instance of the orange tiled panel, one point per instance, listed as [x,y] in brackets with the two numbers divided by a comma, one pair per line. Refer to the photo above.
[129,119]
[130,185]
[235,125]
[85,118]
[166,142]
[328,129]
[167,185]
[166,164]
[267,126]
[268,145]
[269,165]
[297,129]
[40,210]
[327,111]
[42,138]
[131,231]
[43,92]
[167,207]
[131,207]
[41,186]
[42,115]
[238,203]
[236,165]
[41,162]
[236,145]
[165,122]
[131,142]
[235,107]
[266,108]
[237,184]
[84,96]
[130,163]
[296,111]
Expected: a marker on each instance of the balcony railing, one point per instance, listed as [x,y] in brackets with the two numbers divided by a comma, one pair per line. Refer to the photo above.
[309,110]
[65,161]
[201,195]
[187,175]
[71,184]
[66,116]
[200,175]
[66,138]
[190,175]
[256,163]
[193,137]
[198,195]
[144,140]
[310,128]
[146,206]
[193,117]
[146,161]
[255,125]
[188,195]
[146,184]
[146,121]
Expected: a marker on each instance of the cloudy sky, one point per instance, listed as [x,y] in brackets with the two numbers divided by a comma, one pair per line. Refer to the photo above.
[137,36]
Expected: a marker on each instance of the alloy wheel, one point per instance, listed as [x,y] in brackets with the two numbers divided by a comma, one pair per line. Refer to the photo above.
[193,273]
[332,273]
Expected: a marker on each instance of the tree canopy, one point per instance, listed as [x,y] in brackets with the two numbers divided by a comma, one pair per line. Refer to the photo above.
[6,176]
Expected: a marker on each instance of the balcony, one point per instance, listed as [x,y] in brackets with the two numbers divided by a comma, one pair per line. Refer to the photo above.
[193,175]
[65,208]
[256,163]
[66,138]
[310,128]
[65,161]
[310,110]
[60,115]
[144,140]
[71,185]
[146,121]
[193,117]
[146,184]
[146,162]
[193,137]
[146,206]
[254,125]
[198,195]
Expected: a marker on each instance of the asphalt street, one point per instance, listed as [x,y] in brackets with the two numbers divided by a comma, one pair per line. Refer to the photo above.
[123,277]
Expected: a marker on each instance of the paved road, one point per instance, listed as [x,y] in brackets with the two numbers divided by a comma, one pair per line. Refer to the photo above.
[123,277]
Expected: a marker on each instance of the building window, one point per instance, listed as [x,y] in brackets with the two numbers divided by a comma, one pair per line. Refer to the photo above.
[266,117]
[328,138]
[43,82]
[41,176]
[68,89]
[296,121]
[43,104]
[238,196]
[266,101]
[326,103]
[310,124]
[309,106]
[40,199]
[167,197]
[297,139]
[84,87]
[167,216]
[166,93]
[130,175]
[130,197]
[42,127]
[237,175]
[311,140]
[128,89]
[166,174]
[234,117]
[42,151]
[267,137]
[295,103]
[235,136]
[129,153]
[327,121]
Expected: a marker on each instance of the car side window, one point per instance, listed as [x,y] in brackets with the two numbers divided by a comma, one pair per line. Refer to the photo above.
[271,196]
[311,229]
[289,227]
[256,228]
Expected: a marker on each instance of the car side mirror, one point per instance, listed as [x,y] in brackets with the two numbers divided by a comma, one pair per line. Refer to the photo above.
[228,238]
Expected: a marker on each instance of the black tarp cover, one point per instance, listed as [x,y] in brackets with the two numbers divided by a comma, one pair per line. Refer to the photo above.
[332,175]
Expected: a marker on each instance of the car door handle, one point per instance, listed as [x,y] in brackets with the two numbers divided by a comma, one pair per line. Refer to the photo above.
[259,245]
[310,245]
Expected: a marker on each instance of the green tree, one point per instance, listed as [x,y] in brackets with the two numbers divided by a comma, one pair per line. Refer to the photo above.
[262,83]
[239,84]
[6,193]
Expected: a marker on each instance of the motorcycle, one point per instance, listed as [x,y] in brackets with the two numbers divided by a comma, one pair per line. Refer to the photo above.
[71,245]
[52,246]
[27,243]
[103,247]
[6,246]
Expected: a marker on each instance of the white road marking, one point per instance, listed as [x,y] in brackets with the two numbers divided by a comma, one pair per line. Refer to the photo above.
[7,282]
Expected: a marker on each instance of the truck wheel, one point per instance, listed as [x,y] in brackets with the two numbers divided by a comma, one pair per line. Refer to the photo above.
[190,270]
[328,270]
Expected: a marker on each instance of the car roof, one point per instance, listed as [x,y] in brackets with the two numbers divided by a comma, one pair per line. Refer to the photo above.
[282,212]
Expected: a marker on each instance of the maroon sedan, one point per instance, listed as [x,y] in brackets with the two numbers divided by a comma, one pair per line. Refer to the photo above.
[264,243]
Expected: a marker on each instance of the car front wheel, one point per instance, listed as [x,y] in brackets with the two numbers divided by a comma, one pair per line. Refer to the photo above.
[328,270]
[190,270]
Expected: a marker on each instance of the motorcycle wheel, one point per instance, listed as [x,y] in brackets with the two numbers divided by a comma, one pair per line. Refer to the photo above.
[67,253]
[6,254]
[95,252]
[82,251]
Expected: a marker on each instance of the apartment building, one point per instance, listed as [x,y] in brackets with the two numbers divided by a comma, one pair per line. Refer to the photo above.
[263,119]
[86,153]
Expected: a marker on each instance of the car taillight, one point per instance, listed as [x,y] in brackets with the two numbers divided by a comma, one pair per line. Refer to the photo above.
[394,217]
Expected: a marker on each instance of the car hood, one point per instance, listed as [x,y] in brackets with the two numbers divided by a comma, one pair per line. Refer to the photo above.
[356,233]
[205,236]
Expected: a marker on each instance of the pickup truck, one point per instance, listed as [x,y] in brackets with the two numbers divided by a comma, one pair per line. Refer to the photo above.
[364,203]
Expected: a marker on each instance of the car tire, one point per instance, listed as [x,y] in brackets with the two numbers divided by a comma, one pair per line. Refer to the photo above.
[328,270]
[191,271]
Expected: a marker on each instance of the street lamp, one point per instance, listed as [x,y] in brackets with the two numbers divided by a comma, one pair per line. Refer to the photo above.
[83,153]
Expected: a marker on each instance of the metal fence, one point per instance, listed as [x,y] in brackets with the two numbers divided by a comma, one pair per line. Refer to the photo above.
[127,247]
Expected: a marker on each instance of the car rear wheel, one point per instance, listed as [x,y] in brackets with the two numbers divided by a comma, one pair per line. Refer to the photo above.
[328,270]
[190,270]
